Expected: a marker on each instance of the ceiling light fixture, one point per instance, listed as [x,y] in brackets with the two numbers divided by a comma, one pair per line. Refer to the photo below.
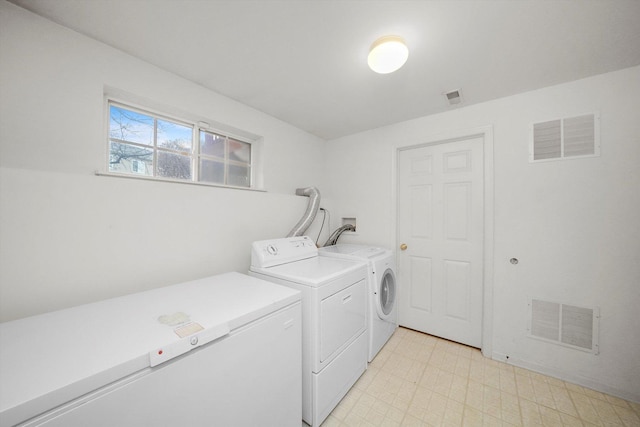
[388,54]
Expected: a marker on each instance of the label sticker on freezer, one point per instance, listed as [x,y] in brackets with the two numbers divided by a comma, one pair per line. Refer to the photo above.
[174,319]
[188,329]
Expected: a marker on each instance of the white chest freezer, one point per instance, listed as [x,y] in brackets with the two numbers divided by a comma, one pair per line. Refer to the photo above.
[219,351]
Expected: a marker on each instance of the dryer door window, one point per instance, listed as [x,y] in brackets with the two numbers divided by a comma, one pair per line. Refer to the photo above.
[386,293]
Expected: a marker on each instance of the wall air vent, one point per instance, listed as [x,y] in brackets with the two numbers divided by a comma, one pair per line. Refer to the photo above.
[571,137]
[454,97]
[567,325]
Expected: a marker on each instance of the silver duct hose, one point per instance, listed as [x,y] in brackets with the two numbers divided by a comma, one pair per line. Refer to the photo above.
[310,213]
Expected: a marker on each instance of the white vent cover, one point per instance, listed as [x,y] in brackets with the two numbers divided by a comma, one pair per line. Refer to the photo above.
[454,97]
[567,325]
[565,138]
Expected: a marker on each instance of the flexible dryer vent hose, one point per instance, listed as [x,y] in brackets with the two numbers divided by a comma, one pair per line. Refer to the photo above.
[310,213]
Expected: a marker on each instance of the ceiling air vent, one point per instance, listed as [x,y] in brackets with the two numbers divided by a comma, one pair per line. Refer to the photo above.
[567,325]
[454,97]
[565,138]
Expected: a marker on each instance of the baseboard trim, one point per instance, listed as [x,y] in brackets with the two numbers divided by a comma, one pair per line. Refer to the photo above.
[575,379]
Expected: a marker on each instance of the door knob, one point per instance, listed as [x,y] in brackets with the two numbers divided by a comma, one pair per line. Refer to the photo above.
[403,247]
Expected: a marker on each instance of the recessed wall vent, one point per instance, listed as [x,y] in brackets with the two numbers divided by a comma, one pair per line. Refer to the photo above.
[454,97]
[564,324]
[571,137]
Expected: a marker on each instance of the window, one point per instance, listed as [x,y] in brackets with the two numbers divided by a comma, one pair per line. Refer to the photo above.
[224,160]
[144,144]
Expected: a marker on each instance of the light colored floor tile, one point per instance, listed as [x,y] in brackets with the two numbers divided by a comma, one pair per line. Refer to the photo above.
[550,417]
[331,421]
[433,418]
[421,380]
[410,421]
[617,401]
[390,423]
[586,411]
[395,415]
[634,406]
[568,420]
[475,395]
[489,421]
[605,411]
[472,416]
[628,416]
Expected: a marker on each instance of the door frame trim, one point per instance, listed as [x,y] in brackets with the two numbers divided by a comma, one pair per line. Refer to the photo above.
[486,133]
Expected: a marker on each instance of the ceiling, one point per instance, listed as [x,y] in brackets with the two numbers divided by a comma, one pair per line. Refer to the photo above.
[305,61]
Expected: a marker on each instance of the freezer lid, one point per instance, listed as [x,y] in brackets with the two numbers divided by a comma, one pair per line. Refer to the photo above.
[52,358]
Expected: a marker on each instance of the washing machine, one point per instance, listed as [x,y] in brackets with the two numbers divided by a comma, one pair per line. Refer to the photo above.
[381,290]
[334,317]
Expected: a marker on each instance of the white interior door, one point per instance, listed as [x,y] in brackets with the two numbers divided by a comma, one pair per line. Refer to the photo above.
[440,220]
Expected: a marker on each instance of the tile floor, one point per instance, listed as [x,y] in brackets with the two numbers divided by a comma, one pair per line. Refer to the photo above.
[421,380]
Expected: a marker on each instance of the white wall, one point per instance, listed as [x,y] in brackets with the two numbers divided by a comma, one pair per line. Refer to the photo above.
[69,237]
[574,225]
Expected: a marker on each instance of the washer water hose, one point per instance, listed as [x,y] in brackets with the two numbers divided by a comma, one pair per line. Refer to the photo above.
[333,239]
[312,208]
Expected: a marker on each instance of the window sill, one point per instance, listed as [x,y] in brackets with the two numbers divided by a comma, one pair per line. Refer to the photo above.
[176,181]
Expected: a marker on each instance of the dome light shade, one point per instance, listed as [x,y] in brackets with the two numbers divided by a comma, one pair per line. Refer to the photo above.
[388,54]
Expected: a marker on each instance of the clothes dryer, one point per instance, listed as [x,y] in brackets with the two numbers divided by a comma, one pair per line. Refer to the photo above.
[381,290]
[334,320]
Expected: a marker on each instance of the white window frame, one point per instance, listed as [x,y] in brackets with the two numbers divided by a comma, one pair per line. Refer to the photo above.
[198,125]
